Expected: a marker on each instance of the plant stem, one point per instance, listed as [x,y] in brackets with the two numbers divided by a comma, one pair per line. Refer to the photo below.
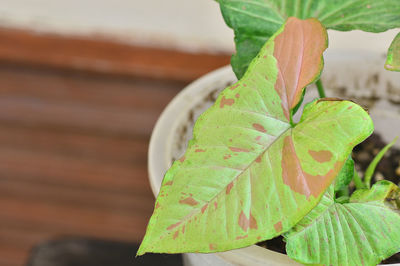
[343,192]
[292,123]
[320,88]
[371,168]
[357,181]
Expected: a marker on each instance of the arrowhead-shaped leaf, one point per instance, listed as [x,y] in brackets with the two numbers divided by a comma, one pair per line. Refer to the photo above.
[247,174]
[362,232]
[254,21]
[393,57]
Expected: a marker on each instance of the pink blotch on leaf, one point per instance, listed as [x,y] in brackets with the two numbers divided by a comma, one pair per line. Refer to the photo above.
[278,226]
[189,201]
[237,95]
[229,187]
[241,237]
[203,209]
[235,149]
[174,225]
[225,101]
[182,159]
[199,150]
[176,234]
[215,205]
[258,160]
[243,222]
[300,181]
[212,246]
[321,156]
[157,205]
[169,183]
[246,223]
[227,156]
[259,127]
[234,87]
[253,222]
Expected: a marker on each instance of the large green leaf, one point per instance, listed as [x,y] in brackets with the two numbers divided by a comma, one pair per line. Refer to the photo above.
[247,174]
[393,57]
[254,21]
[362,232]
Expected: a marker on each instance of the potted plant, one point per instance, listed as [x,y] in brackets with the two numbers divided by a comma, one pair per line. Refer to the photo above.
[252,172]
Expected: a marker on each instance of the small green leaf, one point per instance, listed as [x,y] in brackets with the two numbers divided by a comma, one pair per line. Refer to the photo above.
[393,57]
[247,47]
[357,181]
[362,232]
[345,176]
[254,21]
[371,168]
[247,175]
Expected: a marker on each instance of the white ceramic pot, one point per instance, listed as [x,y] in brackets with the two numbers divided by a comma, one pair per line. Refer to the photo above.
[357,76]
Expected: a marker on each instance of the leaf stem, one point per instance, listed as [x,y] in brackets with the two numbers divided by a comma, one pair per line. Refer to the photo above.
[344,191]
[320,88]
[292,123]
[371,168]
[357,181]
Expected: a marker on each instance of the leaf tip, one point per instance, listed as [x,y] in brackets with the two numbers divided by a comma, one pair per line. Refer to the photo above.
[141,251]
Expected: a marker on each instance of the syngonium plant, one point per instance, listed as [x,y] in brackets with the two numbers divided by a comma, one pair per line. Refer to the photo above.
[251,173]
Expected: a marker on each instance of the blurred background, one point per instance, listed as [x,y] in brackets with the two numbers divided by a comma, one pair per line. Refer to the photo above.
[82,83]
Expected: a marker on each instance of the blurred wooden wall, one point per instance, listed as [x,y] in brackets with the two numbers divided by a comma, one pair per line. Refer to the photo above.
[75,120]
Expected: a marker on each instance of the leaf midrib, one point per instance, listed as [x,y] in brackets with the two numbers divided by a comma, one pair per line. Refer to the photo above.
[198,210]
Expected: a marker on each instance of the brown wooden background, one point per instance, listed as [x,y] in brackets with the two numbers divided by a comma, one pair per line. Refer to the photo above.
[75,120]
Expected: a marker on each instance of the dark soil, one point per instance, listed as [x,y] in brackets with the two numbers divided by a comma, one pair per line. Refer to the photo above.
[389,166]
[363,154]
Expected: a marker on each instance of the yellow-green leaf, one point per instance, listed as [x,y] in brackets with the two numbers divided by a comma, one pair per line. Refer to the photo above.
[362,232]
[248,174]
